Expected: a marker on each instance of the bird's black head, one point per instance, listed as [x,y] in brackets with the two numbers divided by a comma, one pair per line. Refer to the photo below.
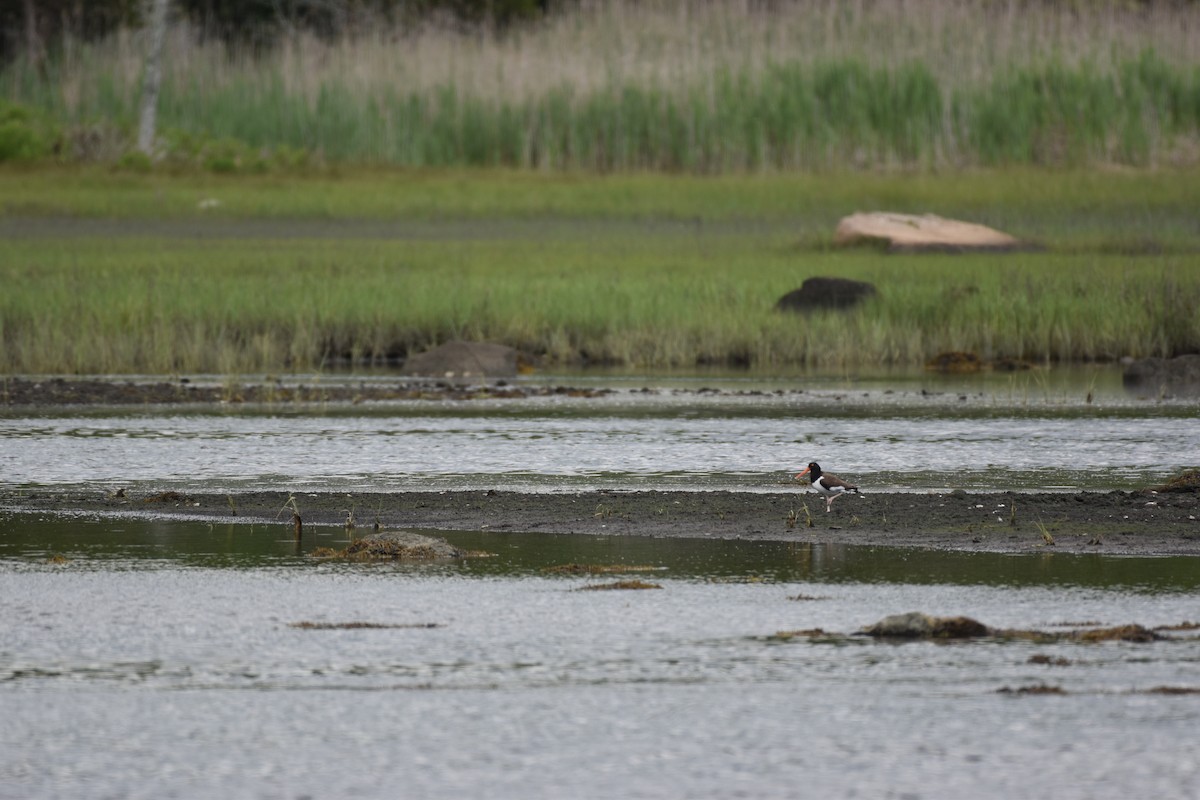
[813,469]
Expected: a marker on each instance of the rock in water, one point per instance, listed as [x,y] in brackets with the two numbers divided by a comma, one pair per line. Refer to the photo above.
[916,625]
[464,360]
[1178,376]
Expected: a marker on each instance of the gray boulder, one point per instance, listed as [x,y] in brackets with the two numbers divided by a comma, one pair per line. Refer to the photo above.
[1178,376]
[916,625]
[464,360]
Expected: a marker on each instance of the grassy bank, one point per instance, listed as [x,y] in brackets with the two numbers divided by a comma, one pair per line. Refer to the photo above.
[1113,208]
[680,86]
[653,271]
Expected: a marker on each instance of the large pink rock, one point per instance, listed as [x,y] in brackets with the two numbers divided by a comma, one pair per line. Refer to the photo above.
[924,232]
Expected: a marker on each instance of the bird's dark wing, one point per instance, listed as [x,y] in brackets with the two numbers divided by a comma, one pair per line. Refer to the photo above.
[833,481]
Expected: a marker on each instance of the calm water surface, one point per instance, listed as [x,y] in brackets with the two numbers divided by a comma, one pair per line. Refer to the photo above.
[925,434]
[164,658]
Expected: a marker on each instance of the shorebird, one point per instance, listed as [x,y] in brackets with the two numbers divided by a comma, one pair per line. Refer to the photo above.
[828,486]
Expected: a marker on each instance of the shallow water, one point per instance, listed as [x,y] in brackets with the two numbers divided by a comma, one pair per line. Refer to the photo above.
[970,433]
[163,660]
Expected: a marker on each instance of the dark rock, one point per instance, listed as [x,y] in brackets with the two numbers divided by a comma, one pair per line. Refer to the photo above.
[1179,375]
[820,293]
[464,360]
[916,625]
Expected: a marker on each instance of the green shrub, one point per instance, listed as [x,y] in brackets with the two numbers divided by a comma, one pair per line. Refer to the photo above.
[135,161]
[23,135]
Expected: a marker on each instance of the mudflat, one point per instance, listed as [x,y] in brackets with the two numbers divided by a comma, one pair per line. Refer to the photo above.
[1141,522]
[1138,523]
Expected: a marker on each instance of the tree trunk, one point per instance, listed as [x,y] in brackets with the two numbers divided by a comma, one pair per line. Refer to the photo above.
[158,32]
[33,40]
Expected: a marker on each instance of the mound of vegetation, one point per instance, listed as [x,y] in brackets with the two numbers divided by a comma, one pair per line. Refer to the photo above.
[394,546]
[1186,481]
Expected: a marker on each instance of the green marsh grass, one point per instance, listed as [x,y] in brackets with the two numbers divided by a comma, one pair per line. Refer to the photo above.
[128,274]
[671,85]
[1121,210]
[654,299]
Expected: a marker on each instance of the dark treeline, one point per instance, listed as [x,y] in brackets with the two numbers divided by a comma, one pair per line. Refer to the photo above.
[35,27]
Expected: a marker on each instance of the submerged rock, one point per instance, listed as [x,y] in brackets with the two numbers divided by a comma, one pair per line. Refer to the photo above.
[1121,633]
[1037,688]
[1179,375]
[599,569]
[620,586]
[915,625]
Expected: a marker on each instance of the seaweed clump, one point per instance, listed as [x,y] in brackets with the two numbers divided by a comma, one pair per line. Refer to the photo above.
[619,585]
[1186,481]
[354,626]
[394,546]
[1039,688]
[166,497]
[598,569]
[915,625]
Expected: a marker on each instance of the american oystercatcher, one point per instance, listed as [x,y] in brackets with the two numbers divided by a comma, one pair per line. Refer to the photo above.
[828,486]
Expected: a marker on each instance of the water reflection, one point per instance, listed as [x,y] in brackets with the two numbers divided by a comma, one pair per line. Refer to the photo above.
[166,654]
[137,543]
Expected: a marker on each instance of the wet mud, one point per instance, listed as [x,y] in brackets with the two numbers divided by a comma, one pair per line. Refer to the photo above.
[51,392]
[1162,520]
[1139,523]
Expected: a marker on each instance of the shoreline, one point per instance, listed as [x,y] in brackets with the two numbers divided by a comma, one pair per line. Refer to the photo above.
[1139,523]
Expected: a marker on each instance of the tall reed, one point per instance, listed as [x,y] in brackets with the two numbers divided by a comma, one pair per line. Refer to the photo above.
[679,85]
